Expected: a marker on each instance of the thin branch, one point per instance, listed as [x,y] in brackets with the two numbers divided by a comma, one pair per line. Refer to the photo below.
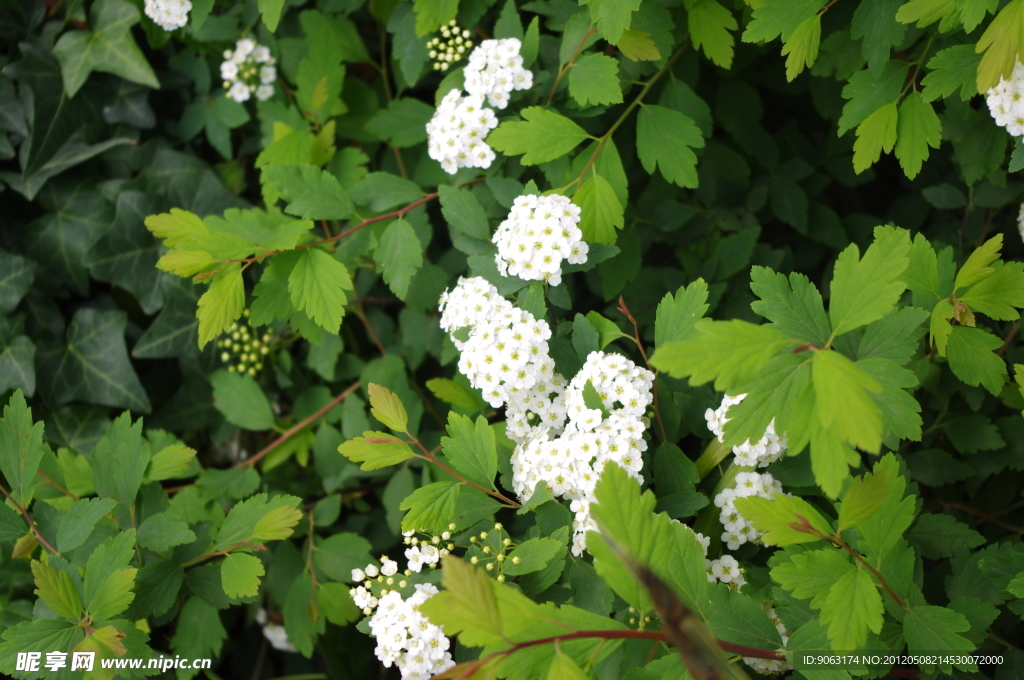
[565,69]
[299,426]
[429,456]
[984,516]
[640,346]
[1009,338]
[220,553]
[361,313]
[31,524]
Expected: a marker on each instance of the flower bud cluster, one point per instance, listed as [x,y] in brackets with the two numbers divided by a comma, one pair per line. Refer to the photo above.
[495,69]
[449,47]
[456,132]
[168,14]
[428,551]
[1006,101]
[243,350]
[737,529]
[538,234]
[766,450]
[505,357]
[770,666]
[247,70]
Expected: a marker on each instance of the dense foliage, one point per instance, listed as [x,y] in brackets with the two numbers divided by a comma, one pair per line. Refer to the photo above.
[528,338]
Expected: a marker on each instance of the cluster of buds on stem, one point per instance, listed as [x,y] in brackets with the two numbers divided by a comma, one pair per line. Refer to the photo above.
[449,47]
[242,349]
[489,549]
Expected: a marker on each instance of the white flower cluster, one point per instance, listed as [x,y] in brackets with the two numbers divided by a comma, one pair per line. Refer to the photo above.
[449,47]
[1006,102]
[506,357]
[737,529]
[538,234]
[766,450]
[572,462]
[427,552]
[495,69]
[247,70]
[405,637]
[274,632]
[168,14]
[456,132]
[769,666]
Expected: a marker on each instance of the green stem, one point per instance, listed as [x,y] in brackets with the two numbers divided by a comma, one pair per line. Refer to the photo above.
[714,453]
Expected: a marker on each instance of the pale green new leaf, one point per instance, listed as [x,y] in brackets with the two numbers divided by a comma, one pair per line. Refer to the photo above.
[257,518]
[431,507]
[57,589]
[865,496]
[542,137]
[925,12]
[594,80]
[1000,43]
[471,448]
[375,450]
[709,24]
[455,394]
[876,134]
[564,668]
[467,606]
[677,315]
[317,287]
[666,138]
[399,255]
[601,213]
[240,574]
[802,46]
[170,462]
[637,45]
[939,325]
[865,289]
[811,575]
[852,608]
[1000,295]
[777,519]
[971,357]
[843,400]
[883,530]
[775,18]
[977,268]
[612,16]
[388,408]
[270,10]
[222,304]
[531,555]
[918,128]
[951,69]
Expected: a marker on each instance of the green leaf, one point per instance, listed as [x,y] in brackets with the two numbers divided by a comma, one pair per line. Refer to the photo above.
[157,586]
[612,16]
[381,191]
[977,268]
[93,365]
[108,583]
[971,357]
[935,535]
[15,280]
[876,134]
[199,633]
[399,255]
[1000,43]
[607,331]
[777,519]
[731,353]
[21,449]
[403,123]
[17,364]
[735,617]
[76,525]
[270,10]
[432,14]
[918,128]
[531,555]
[542,137]
[386,407]
[852,608]
[336,604]
[339,554]
[241,401]
[431,508]
[951,69]
[998,295]
[925,12]
[894,337]
[564,668]
[221,305]
[678,315]
[108,47]
[508,24]
[240,574]
[467,606]
[584,337]
[843,400]
[865,496]
[792,305]
[936,629]
[258,518]
[666,138]
[868,91]
[709,24]
[601,213]
[939,326]
[317,287]
[864,290]
[802,46]
[471,448]
[899,409]
[464,212]
[637,45]
[375,450]
[163,531]
[875,23]
[811,575]
[779,18]
[454,393]
[883,530]
[594,80]
[311,193]
[303,623]
[57,589]
[119,460]
[170,462]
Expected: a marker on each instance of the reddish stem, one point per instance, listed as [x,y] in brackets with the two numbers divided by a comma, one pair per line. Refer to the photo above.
[31,524]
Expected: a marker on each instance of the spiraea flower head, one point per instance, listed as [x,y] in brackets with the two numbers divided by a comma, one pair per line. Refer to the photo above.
[248,71]
[765,451]
[1006,101]
[539,233]
[495,69]
[449,47]
[456,133]
[168,14]
[737,529]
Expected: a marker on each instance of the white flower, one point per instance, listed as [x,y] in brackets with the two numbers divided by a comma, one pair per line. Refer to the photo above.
[264,92]
[1006,102]
[358,575]
[372,571]
[406,638]
[388,567]
[765,451]
[495,69]
[168,14]
[456,133]
[248,70]
[239,92]
[538,234]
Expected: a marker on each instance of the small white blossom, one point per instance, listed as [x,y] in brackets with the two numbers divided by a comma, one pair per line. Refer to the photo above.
[766,450]
[248,70]
[538,234]
[495,69]
[1006,102]
[456,133]
[168,14]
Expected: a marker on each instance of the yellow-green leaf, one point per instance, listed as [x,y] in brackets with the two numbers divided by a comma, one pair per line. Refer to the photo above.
[386,407]
[802,46]
[876,134]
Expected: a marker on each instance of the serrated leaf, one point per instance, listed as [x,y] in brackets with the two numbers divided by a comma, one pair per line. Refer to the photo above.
[779,18]
[666,138]
[432,14]
[710,24]
[240,574]
[792,305]
[677,315]
[77,524]
[951,69]
[270,10]
[467,605]
[875,23]
[381,191]
[453,393]
[843,400]
[108,584]
[430,508]
[637,45]
[1000,295]
[163,531]
[865,289]
[883,530]
[868,91]
[375,450]
[403,123]
[601,213]
[542,137]
[400,255]
[852,608]
[317,287]
[387,407]
[1000,43]
[170,462]
[977,268]
[57,589]
[925,12]
[241,401]
[256,518]
[471,448]
[918,128]
[900,410]
[811,575]
[221,305]
[865,496]
[936,629]
[531,555]
[21,448]
[612,16]
[777,518]
[311,193]
[464,212]
[802,46]
[594,80]
[936,535]
[876,134]
[971,357]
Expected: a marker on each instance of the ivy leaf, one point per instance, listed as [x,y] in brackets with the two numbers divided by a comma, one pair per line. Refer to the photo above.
[431,507]
[802,46]
[977,268]
[399,255]
[667,137]
[594,80]
[612,16]
[311,193]
[852,608]
[77,524]
[876,134]
[951,69]
[936,629]
[21,448]
[1000,295]
[792,305]
[918,128]
[731,353]
[864,290]
[971,358]
[317,287]
[16,279]
[471,448]
[93,365]
[108,47]
[386,407]
[710,24]
[779,18]
[240,574]
[544,136]
[241,401]
[865,496]
[57,589]
[601,213]
[677,315]
[17,364]
[1000,43]
[375,450]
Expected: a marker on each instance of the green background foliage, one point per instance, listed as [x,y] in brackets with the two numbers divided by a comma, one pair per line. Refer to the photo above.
[800,200]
